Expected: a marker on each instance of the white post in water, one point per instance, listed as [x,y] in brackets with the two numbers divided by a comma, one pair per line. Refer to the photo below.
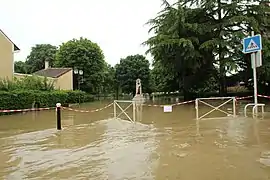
[234,107]
[253,45]
[134,111]
[197,110]
[114,109]
[253,62]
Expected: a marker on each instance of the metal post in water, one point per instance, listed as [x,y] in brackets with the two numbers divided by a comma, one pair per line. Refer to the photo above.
[197,110]
[263,111]
[114,109]
[58,116]
[141,111]
[234,107]
[253,62]
[134,110]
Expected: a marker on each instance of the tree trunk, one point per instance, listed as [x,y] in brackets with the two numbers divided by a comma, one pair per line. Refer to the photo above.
[222,82]
[185,90]
[117,93]
[223,87]
[186,95]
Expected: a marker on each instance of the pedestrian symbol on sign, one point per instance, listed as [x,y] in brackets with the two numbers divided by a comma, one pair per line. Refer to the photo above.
[252,45]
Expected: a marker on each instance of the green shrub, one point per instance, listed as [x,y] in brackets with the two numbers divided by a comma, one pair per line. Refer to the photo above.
[27,83]
[79,96]
[89,98]
[206,94]
[32,90]
[237,89]
[23,99]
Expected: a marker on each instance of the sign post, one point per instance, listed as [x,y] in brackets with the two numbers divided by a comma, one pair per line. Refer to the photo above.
[253,45]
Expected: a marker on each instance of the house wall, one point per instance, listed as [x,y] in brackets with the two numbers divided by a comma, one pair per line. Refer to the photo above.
[6,57]
[65,82]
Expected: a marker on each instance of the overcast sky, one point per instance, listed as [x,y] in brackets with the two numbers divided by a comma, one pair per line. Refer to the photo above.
[118,26]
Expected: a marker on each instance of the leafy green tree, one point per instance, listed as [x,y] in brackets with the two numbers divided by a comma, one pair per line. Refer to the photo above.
[196,36]
[131,68]
[152,83]
[38,55]
[164,79]
[176,43]
[85,55]
[21,67]
[229,22]
[109,80]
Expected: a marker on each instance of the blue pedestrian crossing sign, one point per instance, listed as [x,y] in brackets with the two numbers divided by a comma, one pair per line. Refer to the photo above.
[252,44]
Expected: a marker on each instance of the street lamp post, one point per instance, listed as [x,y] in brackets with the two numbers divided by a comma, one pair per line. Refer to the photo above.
[79,73]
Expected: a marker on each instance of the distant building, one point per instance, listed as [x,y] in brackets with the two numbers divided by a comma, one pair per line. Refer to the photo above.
[7,50]
[61,77]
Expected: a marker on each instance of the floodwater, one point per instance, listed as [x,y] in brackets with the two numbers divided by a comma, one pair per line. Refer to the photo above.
[159,146]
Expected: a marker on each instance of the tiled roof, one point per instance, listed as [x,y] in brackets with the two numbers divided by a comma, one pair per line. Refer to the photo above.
[15,47]
[53,72]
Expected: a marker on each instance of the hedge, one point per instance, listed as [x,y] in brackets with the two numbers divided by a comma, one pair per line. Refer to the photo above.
[25,99]
[205,95]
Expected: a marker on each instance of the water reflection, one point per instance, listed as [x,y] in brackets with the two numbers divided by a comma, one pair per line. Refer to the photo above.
[139,112]
[131,146]
[69,119]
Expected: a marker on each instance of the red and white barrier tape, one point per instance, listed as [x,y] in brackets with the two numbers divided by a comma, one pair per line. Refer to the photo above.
[247,97]
[268,97]
[176,104]
[88,111]
[24,110]
[241,98]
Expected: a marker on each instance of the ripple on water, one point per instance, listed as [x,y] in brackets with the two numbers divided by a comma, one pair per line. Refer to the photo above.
[265,158]
[32,137]
[121,142]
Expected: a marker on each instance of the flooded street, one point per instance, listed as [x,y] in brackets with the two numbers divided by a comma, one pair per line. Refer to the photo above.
[159,146]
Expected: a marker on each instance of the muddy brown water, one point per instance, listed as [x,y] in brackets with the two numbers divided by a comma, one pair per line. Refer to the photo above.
[158,146]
